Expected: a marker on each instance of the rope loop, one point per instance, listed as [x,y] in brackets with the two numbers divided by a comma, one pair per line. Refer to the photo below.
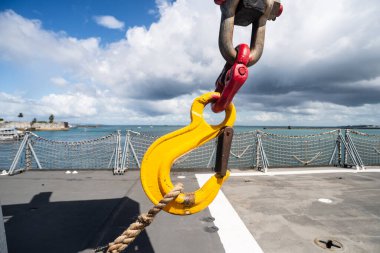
[142,221]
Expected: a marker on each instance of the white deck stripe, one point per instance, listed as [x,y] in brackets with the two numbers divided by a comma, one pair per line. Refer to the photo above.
[300,172]
[233,233]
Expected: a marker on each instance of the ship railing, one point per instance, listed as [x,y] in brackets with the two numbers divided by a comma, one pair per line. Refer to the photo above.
[258,150]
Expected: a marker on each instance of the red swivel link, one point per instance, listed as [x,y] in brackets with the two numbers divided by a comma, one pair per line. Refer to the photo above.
[280,9]
[219,2]
[234,79]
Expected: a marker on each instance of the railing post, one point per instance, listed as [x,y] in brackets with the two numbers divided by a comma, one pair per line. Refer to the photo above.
[262,158]
[118,157]
[128,147]
[125,158]
[355,152]
[339,144]
[18,154]
[28,157]
[134,152]
[345,148]
[337,151]
[257,150]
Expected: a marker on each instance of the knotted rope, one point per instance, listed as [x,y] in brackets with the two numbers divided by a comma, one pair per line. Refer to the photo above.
[144,220]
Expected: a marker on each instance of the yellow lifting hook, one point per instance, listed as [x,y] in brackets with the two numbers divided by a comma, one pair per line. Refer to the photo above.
[157,161]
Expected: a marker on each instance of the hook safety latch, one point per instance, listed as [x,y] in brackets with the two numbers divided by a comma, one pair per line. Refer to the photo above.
[159,158]
[223,149]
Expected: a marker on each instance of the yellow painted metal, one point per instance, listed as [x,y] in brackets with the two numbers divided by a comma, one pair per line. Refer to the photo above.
[157,161]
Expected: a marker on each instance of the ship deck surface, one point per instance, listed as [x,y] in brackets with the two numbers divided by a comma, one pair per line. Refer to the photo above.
[50,211]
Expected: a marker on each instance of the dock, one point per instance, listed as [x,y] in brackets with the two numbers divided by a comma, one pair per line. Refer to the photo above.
[279,211]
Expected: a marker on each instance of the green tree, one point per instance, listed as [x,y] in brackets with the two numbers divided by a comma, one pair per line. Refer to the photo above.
[34,121]
[51,118]
[20,115]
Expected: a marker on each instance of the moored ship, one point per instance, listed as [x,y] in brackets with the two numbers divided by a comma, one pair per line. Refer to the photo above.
[10,134]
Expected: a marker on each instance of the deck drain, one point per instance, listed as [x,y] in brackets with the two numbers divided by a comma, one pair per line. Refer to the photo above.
[211,229]
[329,244]
[208,219]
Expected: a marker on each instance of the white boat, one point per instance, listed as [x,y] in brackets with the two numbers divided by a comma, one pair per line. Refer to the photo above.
[9,134]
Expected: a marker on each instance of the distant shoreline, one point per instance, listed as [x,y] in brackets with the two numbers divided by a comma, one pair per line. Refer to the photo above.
[267,127]
[315,127]
[38,126]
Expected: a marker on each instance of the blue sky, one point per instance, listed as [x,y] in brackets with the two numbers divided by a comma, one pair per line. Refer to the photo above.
[76,18]
[143,62]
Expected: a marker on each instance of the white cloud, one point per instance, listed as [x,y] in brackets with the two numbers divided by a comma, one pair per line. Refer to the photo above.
[153,74]
[109,22]
[59,81]
[75,105]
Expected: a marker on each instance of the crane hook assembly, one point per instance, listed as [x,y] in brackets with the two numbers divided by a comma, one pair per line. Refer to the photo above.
[159,158]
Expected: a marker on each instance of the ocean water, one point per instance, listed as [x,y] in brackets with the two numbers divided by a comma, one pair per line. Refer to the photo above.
[93,132]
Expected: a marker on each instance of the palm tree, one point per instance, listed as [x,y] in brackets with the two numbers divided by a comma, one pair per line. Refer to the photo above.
[20,115]
[51,118]
[33,121]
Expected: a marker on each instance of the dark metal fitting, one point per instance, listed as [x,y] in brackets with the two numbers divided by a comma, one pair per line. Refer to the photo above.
[242,13]
[223,151]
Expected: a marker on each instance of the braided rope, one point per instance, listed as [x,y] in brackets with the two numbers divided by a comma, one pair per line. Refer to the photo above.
[298,136]
[143,220]
[363,134]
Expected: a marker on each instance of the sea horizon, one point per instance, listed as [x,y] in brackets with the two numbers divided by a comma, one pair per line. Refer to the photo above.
[92,131]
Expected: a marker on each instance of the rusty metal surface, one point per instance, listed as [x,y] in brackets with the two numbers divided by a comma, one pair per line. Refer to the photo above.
[223,151]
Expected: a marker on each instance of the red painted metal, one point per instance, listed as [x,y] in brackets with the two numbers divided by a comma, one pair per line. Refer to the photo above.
[231,79]
[219,2]
[280,10]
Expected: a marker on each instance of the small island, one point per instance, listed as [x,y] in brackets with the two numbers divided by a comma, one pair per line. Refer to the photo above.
[34,125]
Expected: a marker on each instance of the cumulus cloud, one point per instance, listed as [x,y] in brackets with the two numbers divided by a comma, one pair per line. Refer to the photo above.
[59,81]
[320,65]
[109,22]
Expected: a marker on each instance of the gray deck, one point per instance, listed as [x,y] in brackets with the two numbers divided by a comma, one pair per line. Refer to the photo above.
[50,211]
[284,215]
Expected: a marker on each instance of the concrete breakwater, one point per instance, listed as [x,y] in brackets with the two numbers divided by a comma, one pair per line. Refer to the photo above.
[38,126]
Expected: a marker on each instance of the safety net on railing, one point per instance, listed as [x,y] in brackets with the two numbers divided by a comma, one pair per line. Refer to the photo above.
[38,152]
[367,147]
[136,145]
[88,154]
[290,151]
[8,150]
[242,152]
[249,149]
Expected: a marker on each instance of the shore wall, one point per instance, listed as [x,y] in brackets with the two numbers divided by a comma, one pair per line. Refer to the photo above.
[55,126]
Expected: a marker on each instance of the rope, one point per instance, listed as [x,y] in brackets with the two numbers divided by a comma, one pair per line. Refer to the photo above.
[144,220]
[307,162]
[242,153]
